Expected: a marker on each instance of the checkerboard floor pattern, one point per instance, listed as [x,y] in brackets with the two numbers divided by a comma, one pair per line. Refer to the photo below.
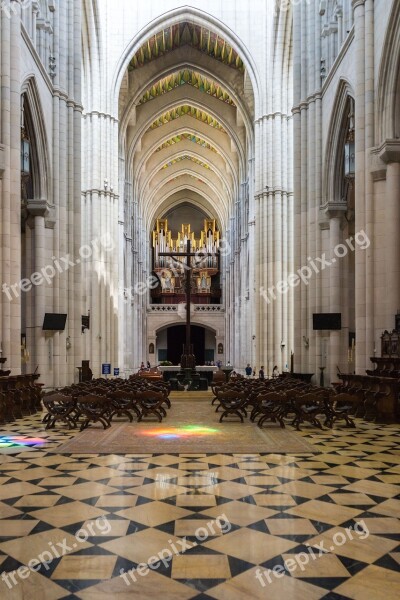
[275,506]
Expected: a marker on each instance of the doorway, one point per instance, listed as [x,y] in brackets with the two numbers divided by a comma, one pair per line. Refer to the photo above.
[176,337]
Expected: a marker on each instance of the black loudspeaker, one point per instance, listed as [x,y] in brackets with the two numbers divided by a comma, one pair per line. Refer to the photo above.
[54,322]
[327,321]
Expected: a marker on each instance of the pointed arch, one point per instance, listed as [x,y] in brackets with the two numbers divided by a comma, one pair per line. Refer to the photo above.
[39,142]
[196,16]
[388,113]
[91,49]
[333,163]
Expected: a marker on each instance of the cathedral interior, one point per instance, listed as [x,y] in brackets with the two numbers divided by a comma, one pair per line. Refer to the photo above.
[200,299]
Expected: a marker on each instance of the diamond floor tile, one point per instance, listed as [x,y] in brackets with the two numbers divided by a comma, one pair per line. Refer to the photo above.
[275,507]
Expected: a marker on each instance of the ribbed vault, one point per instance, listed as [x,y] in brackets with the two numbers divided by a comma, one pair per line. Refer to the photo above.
[184,120]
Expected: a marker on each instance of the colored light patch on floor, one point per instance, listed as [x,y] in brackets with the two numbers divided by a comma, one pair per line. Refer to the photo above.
[173,433]
[14,440]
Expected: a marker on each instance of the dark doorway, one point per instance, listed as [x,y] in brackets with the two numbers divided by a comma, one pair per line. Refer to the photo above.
[176,336]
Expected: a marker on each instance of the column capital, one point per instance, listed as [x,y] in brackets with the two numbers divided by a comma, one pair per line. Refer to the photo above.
[389,152]
[329,211]
[39,208]
[335,210]
[356,3]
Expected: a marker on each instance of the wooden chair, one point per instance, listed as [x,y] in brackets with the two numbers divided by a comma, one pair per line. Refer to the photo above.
[151,402]
[308,407]
[342,405]
[232,402]
[122,402]
[59,408]
[93,409]
[163,390]
[268,407]
[216,387]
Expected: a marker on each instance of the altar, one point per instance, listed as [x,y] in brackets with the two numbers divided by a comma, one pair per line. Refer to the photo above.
[203,370]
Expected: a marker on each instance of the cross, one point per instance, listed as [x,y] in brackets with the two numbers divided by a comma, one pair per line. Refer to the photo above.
[188,254]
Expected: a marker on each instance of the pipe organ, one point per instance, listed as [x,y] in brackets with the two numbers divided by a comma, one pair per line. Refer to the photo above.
[171,272]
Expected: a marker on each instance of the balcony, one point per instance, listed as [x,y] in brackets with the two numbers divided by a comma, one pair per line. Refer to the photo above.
[178,308]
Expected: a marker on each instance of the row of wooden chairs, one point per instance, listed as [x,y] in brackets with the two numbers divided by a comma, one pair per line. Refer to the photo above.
[102,401]
[282,400]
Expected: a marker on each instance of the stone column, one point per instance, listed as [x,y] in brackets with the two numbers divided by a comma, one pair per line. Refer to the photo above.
[391,155]
[360,217]
[297,180]
[369,185]
[40,300]
[335,296]
[10,227]
[43,353]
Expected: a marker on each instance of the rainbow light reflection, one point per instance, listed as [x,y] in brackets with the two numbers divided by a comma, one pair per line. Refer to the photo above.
[186,431]
[15,440]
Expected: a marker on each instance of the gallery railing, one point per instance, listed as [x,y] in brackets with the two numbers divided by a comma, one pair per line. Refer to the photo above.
[197,308]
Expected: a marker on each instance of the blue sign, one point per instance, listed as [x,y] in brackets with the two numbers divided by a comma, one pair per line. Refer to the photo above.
[106,369]
[116,372]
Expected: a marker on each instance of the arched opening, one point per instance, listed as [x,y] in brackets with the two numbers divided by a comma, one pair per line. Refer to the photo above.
[34,210]
[186,109]
[388,113]
[170,340]
[337,348]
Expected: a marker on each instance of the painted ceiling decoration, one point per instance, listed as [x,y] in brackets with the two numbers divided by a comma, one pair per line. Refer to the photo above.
[191,111]
[186,136]
[187,34]
[187,77]
[186,175]
[186,157]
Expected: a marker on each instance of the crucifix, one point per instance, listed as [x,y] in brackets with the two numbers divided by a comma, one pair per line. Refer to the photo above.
[188,359]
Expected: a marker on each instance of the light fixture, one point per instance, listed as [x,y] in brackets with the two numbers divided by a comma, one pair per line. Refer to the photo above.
[349,158]
[323,68]
[106,184]
[282,345]
[25,154]
[25,144]
[350,150]
[68,344]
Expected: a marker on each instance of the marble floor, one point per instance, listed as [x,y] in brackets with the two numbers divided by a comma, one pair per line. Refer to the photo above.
[221,526]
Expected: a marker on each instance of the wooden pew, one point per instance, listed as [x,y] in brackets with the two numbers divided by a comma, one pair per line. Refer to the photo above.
[380,396]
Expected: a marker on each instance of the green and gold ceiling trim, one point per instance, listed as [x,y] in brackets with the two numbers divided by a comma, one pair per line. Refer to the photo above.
[186,136]
[179,159]
[187,34]
[186,175]
[191,111]
[187,77]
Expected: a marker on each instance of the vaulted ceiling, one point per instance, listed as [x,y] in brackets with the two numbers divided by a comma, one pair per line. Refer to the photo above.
[186,122]
[186,34]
